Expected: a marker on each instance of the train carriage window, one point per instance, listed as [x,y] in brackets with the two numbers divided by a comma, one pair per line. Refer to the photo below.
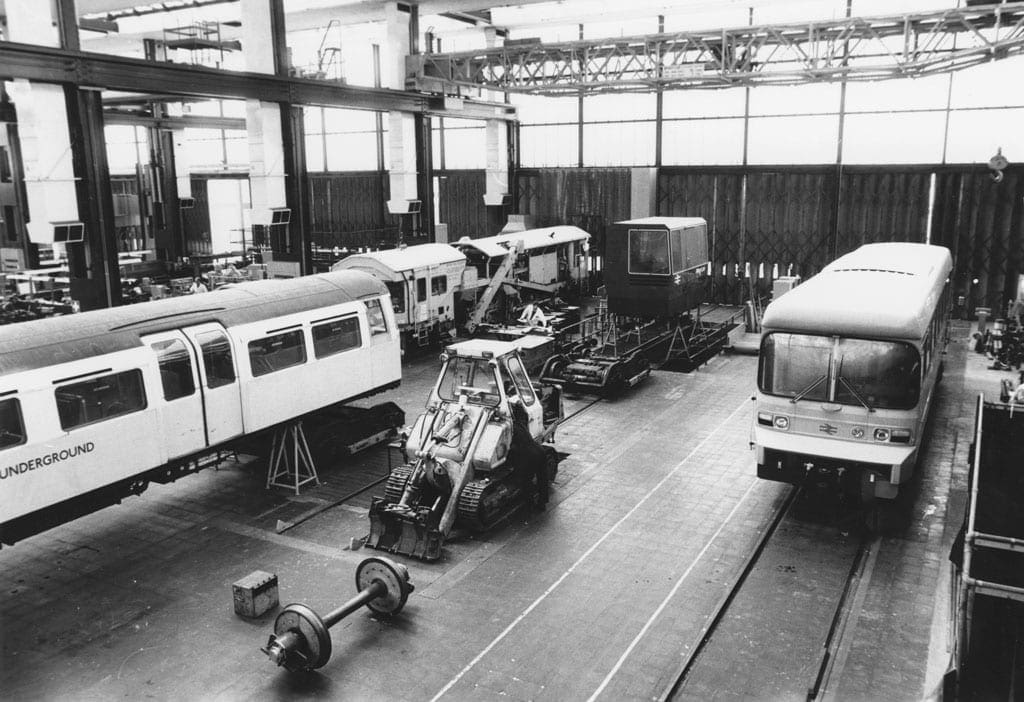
[421,290]
[100,398]
[375,315]
[439,285]
[12,427]
[175,369]
[648,251]
[336,336]
[273,353]
[217,361]
[678,257]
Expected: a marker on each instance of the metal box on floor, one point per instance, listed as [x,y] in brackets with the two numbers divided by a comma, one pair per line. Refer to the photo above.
[255,594]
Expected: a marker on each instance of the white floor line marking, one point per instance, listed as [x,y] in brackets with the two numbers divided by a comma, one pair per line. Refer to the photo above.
[668,597]
[586,554]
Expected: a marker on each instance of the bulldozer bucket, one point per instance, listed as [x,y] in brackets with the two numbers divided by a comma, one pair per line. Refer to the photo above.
[403,531]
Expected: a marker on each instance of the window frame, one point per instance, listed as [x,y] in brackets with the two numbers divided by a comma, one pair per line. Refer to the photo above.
[258,370]
[160,361]
[20,416]
[135,373]
[320,324]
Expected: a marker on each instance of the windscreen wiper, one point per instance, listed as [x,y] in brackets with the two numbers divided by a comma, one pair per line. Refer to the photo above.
[856,394]
[800,395]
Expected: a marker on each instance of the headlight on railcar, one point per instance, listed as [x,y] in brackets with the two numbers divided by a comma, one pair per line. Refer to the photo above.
[900,436]
[773,420]
[857,432]
[881,434]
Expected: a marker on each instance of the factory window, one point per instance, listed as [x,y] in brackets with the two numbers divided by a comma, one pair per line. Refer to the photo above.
[100,398]
[421,290]
[375,315]
[175,369]
[336,336]
[273,353]
[12,428]
[217,361]
[439,285]
[648,251]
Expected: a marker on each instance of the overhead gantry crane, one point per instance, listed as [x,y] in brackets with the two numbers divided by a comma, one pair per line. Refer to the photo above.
[848,48]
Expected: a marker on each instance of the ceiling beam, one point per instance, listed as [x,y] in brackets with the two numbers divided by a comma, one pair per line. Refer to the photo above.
[105,72]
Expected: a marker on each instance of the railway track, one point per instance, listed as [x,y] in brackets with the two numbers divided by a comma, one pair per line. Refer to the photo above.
[751,615]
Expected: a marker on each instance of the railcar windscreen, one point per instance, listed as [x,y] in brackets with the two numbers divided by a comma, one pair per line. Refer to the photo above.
[473,377]
[795,365]
[874,374]
[648,251]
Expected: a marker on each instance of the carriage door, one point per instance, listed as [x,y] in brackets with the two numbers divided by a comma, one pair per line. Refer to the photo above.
[222,401]
[421,312]
[182,411]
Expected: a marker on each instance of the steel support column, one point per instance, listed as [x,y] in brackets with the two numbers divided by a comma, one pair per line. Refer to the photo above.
[424,178]
[166,223]
[67,25]
[297,185]
[95,279]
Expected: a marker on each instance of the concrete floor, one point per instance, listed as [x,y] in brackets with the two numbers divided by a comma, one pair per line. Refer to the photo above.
[598,597]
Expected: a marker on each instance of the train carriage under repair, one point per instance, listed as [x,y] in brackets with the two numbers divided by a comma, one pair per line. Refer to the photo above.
[547,260]
[848,367]
[423,281]
[189,374]
[430,282]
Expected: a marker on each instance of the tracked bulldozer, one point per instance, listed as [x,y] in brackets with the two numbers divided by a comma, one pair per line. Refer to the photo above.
[466,468]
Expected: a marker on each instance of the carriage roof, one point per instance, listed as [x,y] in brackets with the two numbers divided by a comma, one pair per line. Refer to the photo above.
[36,344]
[492,246]
[406,258]
[666,222]
[878,291]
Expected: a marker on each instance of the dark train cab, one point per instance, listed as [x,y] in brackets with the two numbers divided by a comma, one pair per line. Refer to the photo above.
[655,266]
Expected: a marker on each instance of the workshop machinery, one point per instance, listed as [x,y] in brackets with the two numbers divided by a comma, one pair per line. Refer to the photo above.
[466,468]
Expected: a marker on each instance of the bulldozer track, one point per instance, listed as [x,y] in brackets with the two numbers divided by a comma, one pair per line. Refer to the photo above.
[396,482]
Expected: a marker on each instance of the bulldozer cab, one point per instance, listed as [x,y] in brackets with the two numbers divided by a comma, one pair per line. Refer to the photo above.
[490,373]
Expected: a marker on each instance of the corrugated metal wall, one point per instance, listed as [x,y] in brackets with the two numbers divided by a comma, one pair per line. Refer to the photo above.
[589,198]
[796,218]
[882,205]
[460,196]
[350,210]
[982,223]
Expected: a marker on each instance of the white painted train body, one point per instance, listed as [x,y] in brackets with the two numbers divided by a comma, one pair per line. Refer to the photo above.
[426,281]
[848,367]
[551,257]
[423,281]
[94,406]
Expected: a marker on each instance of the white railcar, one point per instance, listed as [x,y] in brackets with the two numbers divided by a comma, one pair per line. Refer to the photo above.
[551,257]
[94,406]
[848,367]
[423,281]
